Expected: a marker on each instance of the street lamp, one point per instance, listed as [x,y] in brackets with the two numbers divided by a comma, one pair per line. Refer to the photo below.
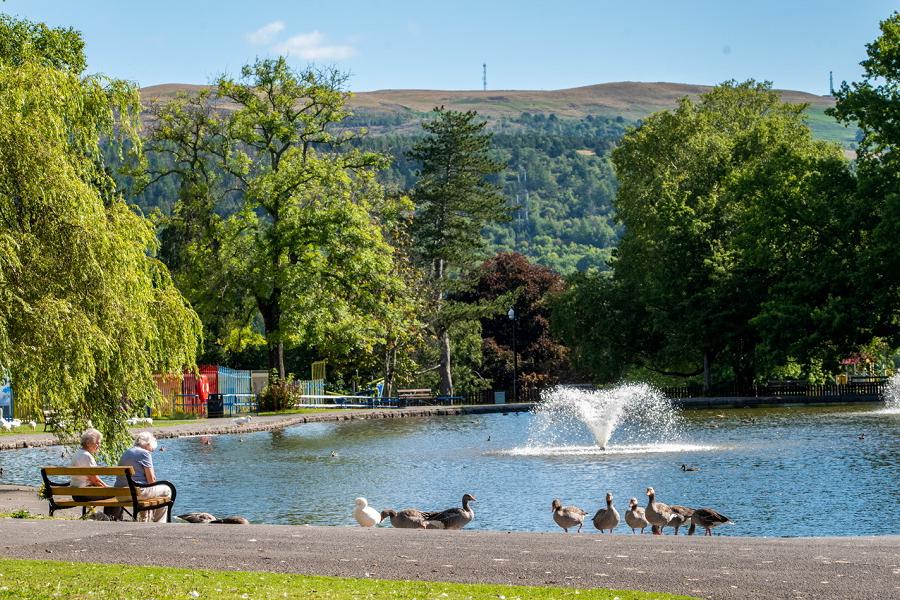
[512,317]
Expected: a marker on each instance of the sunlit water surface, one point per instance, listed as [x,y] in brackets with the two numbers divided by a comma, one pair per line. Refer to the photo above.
[784,472]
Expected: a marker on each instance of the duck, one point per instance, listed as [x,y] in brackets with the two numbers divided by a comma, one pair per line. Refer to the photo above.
[243,420]
[634,517]
[233,520]
[197,517]
[567,516]
[707,518]
[454,518]
[365,515]
[409,518]
[686,468]
[682,515]
[607,518]
[658,513]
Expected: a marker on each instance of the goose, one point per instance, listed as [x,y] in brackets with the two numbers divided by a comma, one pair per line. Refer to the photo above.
[567,516]
[197,517]
[243,420]
[707,518]
[409,518]
[233,520]
[682,515]
[365,515]
[635,516]
[607,518]
[33,425]
[658,513]
[686,468]
[454,518]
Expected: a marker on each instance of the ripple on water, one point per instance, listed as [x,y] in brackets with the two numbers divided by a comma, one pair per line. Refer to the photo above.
[616,449]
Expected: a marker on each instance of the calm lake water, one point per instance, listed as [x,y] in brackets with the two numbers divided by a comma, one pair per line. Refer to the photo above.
[784,472]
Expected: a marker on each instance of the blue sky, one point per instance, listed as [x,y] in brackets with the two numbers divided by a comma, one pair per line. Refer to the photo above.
[442,45]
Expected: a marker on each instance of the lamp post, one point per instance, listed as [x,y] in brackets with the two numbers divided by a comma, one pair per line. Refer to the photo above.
[512,317]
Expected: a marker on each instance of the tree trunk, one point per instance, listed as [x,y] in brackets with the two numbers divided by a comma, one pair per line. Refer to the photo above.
[446,377]
[270,308]
[390,362]
[446,386]
[706,376]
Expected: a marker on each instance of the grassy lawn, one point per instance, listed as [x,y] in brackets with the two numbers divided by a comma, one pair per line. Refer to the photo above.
[38,580]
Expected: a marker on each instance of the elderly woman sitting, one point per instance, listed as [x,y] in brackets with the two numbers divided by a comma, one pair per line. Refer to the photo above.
[140,458]
[84,457]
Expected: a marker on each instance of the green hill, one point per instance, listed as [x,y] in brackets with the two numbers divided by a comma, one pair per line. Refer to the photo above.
[560,182]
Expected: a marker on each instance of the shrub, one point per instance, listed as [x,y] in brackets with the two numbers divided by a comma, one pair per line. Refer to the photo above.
[280,394]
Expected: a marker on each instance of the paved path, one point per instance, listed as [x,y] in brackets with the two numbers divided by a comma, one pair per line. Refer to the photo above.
[718,568]
[267,423]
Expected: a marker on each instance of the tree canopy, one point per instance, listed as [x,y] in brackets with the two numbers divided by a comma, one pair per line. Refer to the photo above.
[275,224]
[735,247]
[87,313]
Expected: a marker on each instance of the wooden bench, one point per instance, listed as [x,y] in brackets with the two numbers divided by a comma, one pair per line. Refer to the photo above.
[60,494]
[414,395]
[50,420]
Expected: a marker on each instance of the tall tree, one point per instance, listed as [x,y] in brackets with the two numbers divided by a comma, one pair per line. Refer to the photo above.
[716,197]
[87,313]
[455,198]
[302,242]
[873,105]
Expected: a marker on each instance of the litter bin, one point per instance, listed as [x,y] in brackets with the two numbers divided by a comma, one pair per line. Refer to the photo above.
[215,406]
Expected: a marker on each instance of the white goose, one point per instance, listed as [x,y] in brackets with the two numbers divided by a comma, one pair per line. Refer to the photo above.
[365,515]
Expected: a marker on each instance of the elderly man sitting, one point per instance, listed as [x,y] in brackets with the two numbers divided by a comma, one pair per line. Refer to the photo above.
[140,458]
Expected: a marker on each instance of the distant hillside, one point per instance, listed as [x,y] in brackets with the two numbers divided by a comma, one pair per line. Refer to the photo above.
[559,180]
[630,100]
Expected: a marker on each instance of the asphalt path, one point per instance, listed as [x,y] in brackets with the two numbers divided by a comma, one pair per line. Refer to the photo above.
[717,567]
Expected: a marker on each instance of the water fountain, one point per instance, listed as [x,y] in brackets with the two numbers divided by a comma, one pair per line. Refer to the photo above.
[892,395]
[627,418]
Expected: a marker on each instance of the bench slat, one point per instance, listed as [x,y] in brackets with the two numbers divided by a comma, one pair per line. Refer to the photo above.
[90,491]
[110,502]
[87,470]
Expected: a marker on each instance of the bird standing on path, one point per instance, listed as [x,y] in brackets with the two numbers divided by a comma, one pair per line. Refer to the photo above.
[365,515]
[707,518]
[658,513]
[454,518]
[635,516]
[567,516]
[682,515]
[607,518]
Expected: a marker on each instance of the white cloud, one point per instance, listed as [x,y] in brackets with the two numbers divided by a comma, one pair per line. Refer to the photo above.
[266,33]
[312,46]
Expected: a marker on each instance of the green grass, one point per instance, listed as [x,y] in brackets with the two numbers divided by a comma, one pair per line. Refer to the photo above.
[39,580]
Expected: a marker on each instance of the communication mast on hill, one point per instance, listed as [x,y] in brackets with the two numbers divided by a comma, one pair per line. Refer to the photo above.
[484,76]
[831,83]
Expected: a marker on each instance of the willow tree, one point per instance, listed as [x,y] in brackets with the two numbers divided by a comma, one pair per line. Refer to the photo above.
[87,314]
[300,245]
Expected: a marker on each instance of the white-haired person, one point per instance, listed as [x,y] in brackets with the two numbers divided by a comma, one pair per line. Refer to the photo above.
[85,457]
[140,458]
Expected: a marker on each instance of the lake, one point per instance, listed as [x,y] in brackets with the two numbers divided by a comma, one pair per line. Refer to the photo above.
[775,472]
